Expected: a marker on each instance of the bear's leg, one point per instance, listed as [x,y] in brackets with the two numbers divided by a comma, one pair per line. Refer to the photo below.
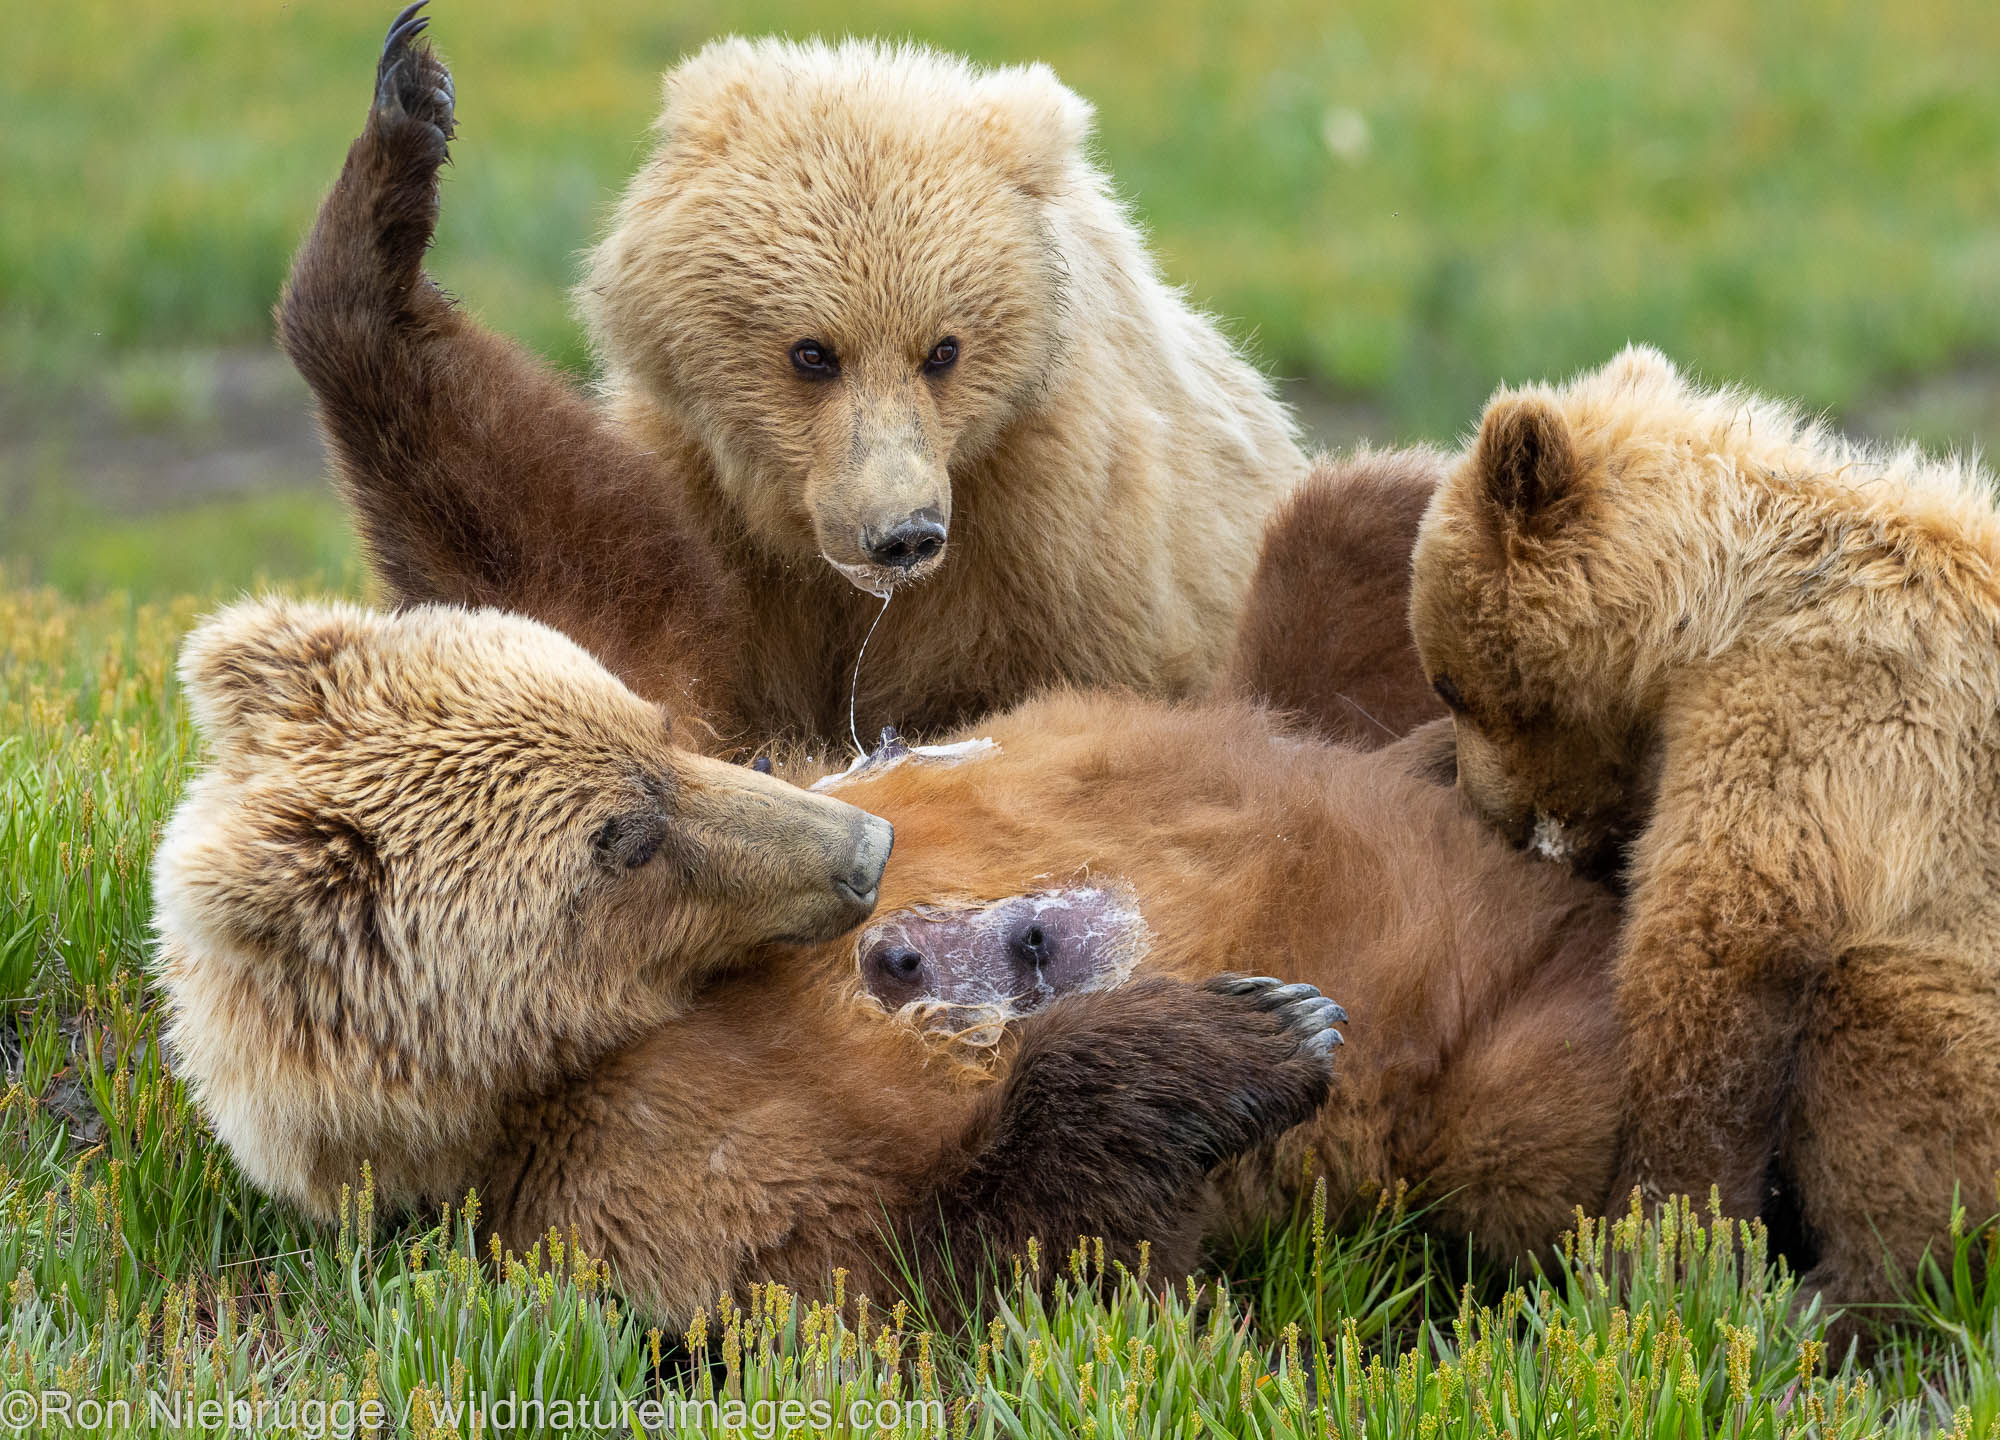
[1325,631]
[1115,1110]
[1895,1113]
[476,475]
[1720,947]
[1523,1123]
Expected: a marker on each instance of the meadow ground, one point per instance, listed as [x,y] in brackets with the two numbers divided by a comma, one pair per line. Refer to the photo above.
[1398,205]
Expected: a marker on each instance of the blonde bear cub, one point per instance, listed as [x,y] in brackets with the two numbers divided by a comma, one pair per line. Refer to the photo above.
[1770,659]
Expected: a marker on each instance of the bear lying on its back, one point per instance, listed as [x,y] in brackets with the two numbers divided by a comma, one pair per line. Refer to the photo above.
[411,913]
[871,319]
[440,901]
[1773,657]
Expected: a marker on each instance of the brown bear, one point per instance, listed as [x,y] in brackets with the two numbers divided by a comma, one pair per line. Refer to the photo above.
[872,324]
[1770,659]
[799,1110]
[597,872]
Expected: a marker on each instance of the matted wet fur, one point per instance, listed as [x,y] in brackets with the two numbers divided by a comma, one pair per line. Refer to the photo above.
[1096,457]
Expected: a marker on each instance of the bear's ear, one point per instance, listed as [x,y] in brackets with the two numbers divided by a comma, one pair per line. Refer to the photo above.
[1525,462]
[1035,127]
[1643,368]
[266,664]
[707,97]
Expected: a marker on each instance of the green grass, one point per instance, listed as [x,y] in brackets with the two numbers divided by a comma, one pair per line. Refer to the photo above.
[1409,202]
[136,1262]
[219,546]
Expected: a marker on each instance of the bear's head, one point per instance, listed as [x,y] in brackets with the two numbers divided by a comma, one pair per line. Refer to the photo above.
[439,857]
[1537,603]
[840,272]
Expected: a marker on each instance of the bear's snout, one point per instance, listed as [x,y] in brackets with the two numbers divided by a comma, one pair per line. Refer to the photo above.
[914,540]
[861,880]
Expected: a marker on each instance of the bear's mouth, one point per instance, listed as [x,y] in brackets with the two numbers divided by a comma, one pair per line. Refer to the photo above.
[969,969]
[881,580]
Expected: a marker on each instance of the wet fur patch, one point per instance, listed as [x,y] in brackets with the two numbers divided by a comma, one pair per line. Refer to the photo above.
[965,972]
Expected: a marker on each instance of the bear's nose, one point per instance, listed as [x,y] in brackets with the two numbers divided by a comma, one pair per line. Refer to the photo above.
[873,839]
[908,543]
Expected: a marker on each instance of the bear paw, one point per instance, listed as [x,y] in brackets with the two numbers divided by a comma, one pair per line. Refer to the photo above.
[412,85]
[1299,1010]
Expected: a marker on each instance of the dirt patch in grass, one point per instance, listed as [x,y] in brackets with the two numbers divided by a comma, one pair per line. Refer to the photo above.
[157,431]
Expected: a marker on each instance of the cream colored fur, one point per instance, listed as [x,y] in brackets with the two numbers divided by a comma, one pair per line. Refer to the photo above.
[1769,657]
[1104,457]
[436,860]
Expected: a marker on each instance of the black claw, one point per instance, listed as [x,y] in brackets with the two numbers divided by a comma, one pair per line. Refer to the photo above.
[401,28]
[1285,995]
[1243,984]
[400,38]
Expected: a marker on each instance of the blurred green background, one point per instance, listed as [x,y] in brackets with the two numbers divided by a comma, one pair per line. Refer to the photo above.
[1397,206]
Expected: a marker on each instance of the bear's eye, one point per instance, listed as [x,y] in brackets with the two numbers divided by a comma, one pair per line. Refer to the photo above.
[943,356]
[625,842]
[815,360]
[1448,692]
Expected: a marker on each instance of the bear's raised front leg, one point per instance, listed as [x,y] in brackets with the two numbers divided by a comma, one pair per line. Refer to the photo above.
[1115,1110]
[476,475]
[1324,632]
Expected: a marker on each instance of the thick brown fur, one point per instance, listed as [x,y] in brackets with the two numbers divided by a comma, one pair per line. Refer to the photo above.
[1100,457]
[1770,658]
[1325,632]
[779,1121]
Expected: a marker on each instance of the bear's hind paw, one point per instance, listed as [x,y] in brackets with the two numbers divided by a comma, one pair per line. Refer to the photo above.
[1301,1008]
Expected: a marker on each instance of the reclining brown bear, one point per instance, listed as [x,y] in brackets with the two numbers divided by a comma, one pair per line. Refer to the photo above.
[443,894]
